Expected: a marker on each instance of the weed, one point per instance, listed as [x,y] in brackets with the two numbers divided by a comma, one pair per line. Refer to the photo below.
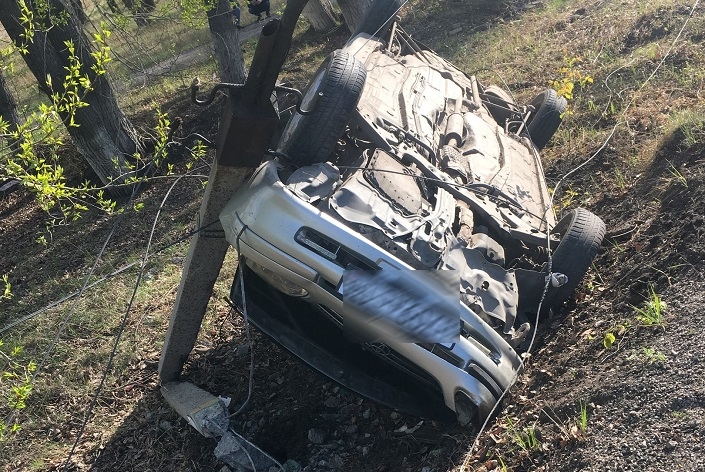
[652,312]
[526,439]
[653,356]
[613,333]
[568,197]
[571,75]
[620,248]
[15,387]
[619,179]
[678,176]
[6,293]
[583,418]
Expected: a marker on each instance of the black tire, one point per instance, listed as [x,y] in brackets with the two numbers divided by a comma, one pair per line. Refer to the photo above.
[500,104]
[581,236]
[546,118]
[379,18]
[332,95]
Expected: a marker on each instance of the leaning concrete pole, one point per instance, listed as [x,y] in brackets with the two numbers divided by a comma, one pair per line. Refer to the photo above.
[239,150]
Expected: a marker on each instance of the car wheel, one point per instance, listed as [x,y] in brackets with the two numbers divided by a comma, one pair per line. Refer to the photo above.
[331,97]
[378,18]
[581,235]
[500,104]
[546,118]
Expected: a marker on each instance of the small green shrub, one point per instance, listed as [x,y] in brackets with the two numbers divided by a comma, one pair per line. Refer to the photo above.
[652,312]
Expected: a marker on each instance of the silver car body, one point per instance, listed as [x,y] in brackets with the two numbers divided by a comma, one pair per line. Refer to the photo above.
[301,234]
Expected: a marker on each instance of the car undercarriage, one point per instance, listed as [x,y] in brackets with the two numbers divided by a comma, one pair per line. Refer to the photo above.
[395,160]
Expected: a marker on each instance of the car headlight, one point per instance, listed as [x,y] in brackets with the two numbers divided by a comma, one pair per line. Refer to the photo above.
[277,281]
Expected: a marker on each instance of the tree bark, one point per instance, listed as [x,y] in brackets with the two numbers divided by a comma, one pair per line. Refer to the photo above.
[226,40]
[320,14]
[8,112]
[8,104]
[354,11]
[140,10]
[105,137]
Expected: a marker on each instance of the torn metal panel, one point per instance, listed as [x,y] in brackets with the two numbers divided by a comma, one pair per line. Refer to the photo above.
[488,288]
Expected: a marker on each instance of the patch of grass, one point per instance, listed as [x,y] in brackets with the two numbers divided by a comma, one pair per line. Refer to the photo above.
[680,178]
[651,314]
[692,124]
[653,356]
[558,4]
[582,421]
[525,438]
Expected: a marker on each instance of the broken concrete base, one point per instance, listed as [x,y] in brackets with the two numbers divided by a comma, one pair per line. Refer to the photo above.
[243,456]
[209,415]
[206,413]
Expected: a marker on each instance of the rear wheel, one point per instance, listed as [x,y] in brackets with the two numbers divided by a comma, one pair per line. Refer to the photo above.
[332,97]
[500,104]
[546,117]
[581,236]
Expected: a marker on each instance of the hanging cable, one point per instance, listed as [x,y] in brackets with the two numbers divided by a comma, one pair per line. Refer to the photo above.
[121,328]
[105,278]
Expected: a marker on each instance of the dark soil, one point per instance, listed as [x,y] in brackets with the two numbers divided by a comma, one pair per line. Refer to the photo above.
[644,396]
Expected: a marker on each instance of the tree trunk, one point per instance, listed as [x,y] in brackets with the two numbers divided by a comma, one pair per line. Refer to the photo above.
[354,11]
[320,14]
[8,112]
[226,40]
[140,10]
[77,9]
[104,136]
[8,104]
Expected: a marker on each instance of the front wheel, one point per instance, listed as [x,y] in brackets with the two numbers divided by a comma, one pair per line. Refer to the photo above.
[331,97]
[581,236]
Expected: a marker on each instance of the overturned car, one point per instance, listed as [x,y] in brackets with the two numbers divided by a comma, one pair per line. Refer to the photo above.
[396,162]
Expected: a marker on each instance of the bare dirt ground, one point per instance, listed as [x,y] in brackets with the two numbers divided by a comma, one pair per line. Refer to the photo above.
[643,397]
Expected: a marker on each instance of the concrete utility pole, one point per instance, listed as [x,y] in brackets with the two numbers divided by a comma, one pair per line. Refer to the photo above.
[244,135]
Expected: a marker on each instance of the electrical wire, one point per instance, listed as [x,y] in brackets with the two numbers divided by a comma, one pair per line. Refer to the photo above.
[245,316]
[105,278]
[380,28]
[64,321]
[123,323]
[121,328]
